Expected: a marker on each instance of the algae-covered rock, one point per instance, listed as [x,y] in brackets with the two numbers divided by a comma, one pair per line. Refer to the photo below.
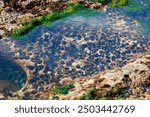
[118,3]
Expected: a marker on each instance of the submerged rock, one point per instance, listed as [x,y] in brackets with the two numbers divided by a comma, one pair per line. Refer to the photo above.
[12,76]
[6,86]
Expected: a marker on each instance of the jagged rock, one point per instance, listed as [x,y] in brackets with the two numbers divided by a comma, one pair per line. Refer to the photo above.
[10,27]
[8,15]
[24,17]
[96,5]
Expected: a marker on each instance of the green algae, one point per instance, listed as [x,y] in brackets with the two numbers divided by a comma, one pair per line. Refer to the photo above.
[26,27]
[62,89]
[47,19]
[87,13]
[90,95]
[118,3]
[114,93]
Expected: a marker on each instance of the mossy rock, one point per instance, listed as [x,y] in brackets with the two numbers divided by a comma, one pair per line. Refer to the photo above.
[114,93]
[50,18]
[62,89]
[95,94]
[90,95]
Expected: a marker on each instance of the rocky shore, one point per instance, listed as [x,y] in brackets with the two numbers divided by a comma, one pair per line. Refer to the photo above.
[132,81]
[14,12]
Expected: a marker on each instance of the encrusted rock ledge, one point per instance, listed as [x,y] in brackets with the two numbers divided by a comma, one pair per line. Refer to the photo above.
[14,12]
[132,81]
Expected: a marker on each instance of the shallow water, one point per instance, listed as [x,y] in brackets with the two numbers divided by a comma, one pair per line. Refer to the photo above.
[12,76]
[80,45]
[141,12]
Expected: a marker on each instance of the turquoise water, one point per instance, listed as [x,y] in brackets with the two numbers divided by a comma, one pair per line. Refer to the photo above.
[140,11]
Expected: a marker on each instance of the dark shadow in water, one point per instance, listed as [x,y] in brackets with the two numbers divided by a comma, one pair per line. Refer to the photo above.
[12,76]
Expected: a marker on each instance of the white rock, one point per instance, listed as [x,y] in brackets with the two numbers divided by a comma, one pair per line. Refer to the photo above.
[7,17]
[2,32]
[1,4]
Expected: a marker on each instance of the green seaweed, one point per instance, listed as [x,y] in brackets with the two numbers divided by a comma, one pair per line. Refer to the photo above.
[50,18]
[62,89]
[118,3]
[88,13]
[114,93]
[90,95]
